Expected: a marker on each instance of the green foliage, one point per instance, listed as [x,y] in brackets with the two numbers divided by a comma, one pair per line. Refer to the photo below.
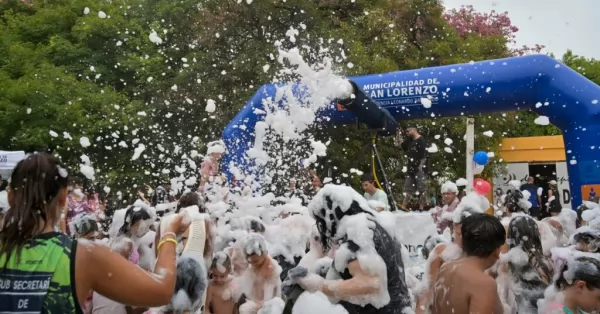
[66,71]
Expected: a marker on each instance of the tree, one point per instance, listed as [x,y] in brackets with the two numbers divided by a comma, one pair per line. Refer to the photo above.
[469,22]
[588,67]
[141,72]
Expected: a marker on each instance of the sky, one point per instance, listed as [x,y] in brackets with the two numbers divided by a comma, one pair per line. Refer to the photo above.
[557,24]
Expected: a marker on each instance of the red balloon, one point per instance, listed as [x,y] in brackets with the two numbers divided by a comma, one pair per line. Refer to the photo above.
[481,186]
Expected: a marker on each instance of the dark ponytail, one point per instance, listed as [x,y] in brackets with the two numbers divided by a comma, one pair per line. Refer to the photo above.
[35,185]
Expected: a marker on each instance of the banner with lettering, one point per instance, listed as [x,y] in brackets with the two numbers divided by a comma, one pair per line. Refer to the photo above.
[9,160]
[413,229]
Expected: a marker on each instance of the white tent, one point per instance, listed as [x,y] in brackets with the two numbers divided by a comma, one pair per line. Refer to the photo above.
[8,161]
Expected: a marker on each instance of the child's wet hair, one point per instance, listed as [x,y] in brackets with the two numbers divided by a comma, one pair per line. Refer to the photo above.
[35,186]
[190,199]
[85,224]
[429,245]
[512,202]
[482,234]
[133,215]
[77,181]
[588,236]
[257,226]
[587,205]
[584,268]
[523,232]
[255,244]
[221,262]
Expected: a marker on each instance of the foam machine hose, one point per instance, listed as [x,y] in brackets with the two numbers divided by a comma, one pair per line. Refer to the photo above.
[369,112]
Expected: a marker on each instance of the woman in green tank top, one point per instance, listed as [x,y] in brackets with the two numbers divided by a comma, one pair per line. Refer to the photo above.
[43,271]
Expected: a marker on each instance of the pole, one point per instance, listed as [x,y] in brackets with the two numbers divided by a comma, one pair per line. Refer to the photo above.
[386,183]
[470,152]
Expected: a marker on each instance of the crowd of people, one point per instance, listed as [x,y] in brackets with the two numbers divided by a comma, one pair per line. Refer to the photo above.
[522,264]
[329,250]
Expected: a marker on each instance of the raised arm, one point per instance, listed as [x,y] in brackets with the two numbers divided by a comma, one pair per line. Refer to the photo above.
[99,269]
[156,240]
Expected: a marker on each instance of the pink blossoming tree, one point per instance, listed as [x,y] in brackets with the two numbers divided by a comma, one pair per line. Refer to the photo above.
[469,22]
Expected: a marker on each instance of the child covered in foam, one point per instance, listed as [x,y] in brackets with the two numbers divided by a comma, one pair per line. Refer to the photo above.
[211,164]
[219,296]
[576,287]
[260,284]
[587,237]
[560,227]
[129,226]
[529,271]
[444,252]
[85,226]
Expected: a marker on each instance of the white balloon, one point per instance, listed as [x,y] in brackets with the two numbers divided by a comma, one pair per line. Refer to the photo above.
[477,169]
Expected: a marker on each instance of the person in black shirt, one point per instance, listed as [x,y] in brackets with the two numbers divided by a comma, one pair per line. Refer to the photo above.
[415,148]
[554,205]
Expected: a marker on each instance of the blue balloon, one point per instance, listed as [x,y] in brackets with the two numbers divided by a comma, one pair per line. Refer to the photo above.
[481,158]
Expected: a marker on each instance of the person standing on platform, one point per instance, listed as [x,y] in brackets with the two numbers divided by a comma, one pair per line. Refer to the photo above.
[535,197]
[415,148]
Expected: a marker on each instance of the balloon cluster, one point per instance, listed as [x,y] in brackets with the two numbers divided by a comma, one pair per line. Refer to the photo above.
[481,159]
[481,186]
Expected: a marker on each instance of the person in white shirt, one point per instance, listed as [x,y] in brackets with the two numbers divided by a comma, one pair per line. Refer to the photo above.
[373,194]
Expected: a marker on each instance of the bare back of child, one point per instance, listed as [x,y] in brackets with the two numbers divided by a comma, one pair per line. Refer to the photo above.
[459,289]
[462,286]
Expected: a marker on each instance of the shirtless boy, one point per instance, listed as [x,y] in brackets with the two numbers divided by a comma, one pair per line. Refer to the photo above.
[260,281]
[462,287]
[219,296]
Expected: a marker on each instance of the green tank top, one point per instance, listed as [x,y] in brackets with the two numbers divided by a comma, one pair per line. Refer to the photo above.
[43,280]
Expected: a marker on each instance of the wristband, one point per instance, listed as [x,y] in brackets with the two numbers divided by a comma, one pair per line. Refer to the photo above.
[165,241]
[168,233]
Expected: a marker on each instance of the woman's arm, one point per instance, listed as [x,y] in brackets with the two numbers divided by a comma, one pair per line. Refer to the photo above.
[360,284]
[156,240]
[98,268]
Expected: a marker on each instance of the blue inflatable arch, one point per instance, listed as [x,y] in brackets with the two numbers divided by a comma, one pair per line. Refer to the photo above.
[570,101]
